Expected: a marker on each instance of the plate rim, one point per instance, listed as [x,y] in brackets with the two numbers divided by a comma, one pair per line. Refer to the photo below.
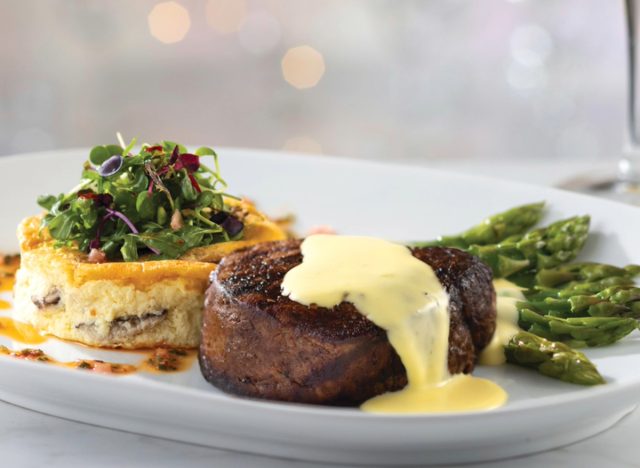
[616,397]
[615,387]
[612,388]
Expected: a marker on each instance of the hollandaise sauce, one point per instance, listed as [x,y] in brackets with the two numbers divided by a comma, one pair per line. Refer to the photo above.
[402,295]
[508,295]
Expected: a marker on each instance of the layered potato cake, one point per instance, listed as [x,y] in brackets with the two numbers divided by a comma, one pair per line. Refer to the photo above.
[120,304]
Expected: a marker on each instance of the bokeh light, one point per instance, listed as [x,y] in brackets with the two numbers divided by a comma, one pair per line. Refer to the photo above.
[400,82]
[530,45]
[169,22]
[303,67]
[226,16]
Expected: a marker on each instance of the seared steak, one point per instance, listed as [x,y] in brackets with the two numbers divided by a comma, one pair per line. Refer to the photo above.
[258,343]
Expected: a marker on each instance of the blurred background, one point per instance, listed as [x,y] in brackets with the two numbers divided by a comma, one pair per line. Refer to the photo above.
[411,81]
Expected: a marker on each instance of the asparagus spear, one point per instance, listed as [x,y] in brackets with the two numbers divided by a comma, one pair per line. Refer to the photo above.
[586,289]
[494,229]
[577,332]
[576,288]
[613,301]
[545,247]
[583,272]
[552,359]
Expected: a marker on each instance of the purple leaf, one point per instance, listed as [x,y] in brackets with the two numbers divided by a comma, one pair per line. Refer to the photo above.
[232,225]
[219,217]
[103,199]
[111,166]
[124,219]
[131,226]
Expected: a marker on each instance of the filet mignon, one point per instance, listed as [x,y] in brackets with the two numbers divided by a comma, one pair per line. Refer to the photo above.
[258,343]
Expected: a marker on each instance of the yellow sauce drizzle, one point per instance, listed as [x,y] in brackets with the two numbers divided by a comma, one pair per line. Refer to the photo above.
[18,331]
[4,305]
[459,393]
[7,283]
[508,295]
[402,295]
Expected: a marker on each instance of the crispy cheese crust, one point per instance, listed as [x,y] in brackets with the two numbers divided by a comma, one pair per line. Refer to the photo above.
[122,304]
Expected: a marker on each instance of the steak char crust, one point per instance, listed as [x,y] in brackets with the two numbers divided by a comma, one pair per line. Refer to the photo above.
[258,343]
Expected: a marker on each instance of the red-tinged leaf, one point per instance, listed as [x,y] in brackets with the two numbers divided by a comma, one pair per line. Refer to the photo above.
[190,161]
[174,155]
[104,199]
[99,199]
[195,183]
[153,149]
[87,194]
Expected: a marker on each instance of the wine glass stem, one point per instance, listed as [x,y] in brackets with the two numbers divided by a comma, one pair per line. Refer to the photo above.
[630,164]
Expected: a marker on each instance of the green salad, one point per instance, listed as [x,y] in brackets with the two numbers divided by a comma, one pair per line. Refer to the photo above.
[158,203]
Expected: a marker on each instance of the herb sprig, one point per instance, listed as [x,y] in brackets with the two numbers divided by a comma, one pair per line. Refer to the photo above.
[159,202]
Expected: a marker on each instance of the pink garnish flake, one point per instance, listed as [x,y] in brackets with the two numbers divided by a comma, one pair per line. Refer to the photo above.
[97,256]
[321,229]
[102,367]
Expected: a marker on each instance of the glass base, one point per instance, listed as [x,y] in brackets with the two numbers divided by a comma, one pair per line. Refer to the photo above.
[604,185]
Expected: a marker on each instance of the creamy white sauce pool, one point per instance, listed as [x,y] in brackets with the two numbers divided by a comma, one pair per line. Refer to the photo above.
[402,295]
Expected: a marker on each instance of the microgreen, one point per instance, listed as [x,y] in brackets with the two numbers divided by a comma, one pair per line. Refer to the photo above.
[158,203]
[111,166]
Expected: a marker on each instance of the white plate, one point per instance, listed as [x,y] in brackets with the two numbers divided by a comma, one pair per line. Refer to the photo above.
[395,202]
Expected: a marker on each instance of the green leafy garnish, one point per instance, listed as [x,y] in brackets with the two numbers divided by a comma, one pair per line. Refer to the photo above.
[159,202]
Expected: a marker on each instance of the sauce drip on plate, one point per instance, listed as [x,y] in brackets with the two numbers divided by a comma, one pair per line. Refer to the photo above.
[163,360]
[18,331]
[97,366]
[158,360]
[9,264]
[402,295]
